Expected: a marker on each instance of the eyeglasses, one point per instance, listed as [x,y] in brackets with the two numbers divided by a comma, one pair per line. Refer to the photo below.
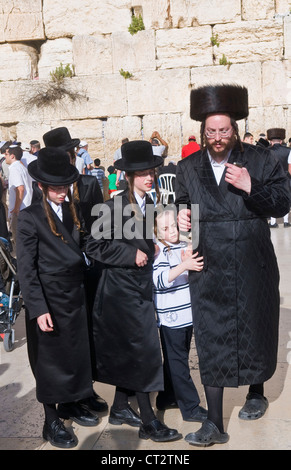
[212,134]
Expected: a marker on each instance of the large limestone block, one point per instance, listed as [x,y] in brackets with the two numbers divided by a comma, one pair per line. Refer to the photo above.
[283,6]
[276,77]
[216,11]
[160,14]
[118,128]
[250,41]
[92,54]
[105,95]
[184,47]
[257,9]
[14,64]
[162,91]
[52,54]
[134,53]
[85,17]
[248,75]
[21,20]
[287,37]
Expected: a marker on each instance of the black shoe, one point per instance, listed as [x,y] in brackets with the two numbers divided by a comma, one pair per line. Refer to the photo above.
[58,436]
[158,432]
[126,416]
[208,434]
[273,225]
[286,224]
[77,413]
[198,415]
[164,404]
[95,403]
[254,407]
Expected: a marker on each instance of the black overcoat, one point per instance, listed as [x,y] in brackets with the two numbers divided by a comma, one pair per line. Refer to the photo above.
[51,280]
[235,299]
[126,342]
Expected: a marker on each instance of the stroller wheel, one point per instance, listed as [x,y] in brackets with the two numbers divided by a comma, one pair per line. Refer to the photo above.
[8,341]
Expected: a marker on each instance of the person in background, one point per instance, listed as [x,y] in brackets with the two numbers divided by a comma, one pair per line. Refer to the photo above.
[173,308]
[20,190]
[276,137]
[190,148]
[160,146]
[248,138]
[121,182]
[112,179]
[98,172]
[84,154]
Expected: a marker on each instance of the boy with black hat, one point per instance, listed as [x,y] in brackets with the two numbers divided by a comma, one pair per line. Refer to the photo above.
[51,273]
[127,347]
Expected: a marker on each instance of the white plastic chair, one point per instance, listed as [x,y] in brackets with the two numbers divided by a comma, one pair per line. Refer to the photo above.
[166,187]
[153,195]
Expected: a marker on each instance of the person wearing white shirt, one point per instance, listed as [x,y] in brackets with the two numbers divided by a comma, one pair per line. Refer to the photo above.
[20,188]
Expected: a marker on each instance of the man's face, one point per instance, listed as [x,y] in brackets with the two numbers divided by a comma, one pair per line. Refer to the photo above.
[8,157]
[219,135]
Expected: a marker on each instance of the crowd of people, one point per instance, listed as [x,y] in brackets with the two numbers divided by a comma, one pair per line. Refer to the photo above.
[120,307]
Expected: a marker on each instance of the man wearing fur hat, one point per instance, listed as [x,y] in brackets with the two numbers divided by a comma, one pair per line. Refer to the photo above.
[235,298]
[276,136]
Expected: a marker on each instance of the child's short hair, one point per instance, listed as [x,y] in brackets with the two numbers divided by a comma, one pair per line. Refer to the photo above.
[97,161]
[111,169]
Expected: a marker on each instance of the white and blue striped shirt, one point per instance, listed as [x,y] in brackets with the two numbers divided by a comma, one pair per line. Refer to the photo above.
[172,299]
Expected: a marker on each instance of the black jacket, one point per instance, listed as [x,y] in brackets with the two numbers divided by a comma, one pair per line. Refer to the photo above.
[235,299]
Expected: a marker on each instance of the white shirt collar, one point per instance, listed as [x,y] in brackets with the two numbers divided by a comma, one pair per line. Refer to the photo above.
[140,201]
[57,208]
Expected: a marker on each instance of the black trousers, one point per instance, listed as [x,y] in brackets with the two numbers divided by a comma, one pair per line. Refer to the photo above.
[176,343]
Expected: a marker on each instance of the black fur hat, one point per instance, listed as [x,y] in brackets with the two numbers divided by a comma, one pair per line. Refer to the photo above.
[60,137]
[216,99]
[276,133]
[137,155]
[53,167]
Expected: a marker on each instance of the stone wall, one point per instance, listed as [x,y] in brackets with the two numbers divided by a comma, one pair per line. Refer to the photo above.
[184,45]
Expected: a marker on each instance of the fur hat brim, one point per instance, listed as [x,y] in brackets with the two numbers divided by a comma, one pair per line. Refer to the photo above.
[276,133]
[219,99]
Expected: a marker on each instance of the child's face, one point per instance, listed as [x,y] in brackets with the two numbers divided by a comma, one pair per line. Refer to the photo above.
[57,194]
[143,180]
[167,227]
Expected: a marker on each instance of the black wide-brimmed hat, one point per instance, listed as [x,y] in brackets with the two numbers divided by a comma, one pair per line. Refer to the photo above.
[60,137]
[137,155]
[276,133]
[219,99]
[53,167]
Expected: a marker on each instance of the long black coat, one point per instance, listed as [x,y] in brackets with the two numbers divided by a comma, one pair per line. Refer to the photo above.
[51,279]
[127,348]
[235,299]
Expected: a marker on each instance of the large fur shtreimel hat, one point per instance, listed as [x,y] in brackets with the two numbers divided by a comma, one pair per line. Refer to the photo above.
[53,167]
[137,155]
[276,133]
[219,99]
